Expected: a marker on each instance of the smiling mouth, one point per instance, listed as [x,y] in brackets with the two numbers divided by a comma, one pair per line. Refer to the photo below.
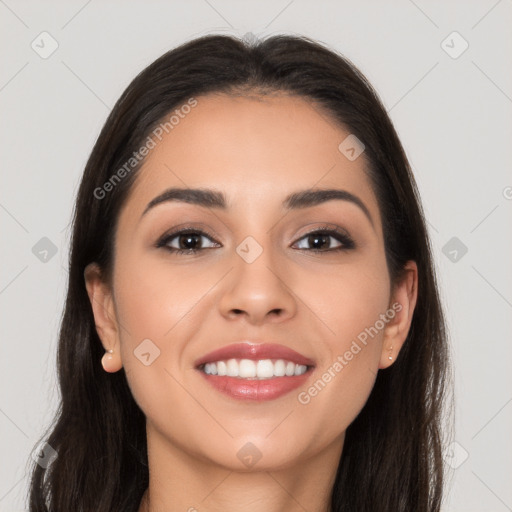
[255,381]
[248,369]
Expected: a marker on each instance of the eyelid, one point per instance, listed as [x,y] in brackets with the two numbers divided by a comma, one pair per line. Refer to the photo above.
[327,227]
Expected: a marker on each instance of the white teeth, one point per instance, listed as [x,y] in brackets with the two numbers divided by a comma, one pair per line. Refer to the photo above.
[246,368]
[290,369]
[280,368]
[265,369]
[249,369]
[231,368]
[221,368]
[212,368]
[300,369]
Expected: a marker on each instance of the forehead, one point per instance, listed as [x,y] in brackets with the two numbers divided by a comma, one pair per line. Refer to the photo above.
[255,149]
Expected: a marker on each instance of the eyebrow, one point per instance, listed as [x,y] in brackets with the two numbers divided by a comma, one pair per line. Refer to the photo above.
[297,200]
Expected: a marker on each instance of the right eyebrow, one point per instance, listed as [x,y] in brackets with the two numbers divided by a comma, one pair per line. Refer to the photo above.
[201,197]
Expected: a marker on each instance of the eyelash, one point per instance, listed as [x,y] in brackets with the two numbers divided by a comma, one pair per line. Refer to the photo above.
[340,236]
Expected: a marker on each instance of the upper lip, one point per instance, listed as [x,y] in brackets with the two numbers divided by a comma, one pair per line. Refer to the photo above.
[255,352]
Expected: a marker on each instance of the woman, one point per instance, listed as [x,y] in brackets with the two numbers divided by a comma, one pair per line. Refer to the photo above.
[252,319]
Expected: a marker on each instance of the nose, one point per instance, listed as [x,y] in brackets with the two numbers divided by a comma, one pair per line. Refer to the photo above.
[259,292]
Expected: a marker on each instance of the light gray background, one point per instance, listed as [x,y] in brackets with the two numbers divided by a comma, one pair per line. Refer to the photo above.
[453,116]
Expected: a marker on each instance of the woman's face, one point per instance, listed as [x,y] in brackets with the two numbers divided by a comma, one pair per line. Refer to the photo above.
[254,278]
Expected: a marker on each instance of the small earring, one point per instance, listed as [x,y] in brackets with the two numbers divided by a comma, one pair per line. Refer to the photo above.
[390,357]
[107,357]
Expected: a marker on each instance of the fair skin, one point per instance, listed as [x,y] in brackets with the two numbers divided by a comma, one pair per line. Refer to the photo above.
[256,151]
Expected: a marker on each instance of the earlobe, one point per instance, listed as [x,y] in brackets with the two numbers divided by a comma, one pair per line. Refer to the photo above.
[403,303]
[100,297]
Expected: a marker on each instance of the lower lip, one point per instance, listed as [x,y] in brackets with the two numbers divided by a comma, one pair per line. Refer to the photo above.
[256,389]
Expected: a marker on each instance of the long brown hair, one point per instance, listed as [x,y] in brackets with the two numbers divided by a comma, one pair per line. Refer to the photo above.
[393,453]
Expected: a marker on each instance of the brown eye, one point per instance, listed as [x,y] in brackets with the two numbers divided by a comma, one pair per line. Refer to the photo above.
[323,240]
[185,242]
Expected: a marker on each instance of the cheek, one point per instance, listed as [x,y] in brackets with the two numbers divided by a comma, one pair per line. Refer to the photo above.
[152,298]
[342,383]
[347,300]
[153,306]
[158,382]
[348,305]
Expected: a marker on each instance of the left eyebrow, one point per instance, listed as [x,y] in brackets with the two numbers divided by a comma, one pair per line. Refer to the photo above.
[313,197]
[215,199]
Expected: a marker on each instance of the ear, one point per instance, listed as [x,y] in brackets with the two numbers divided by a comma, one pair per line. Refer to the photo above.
[403,302]
[103,309]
